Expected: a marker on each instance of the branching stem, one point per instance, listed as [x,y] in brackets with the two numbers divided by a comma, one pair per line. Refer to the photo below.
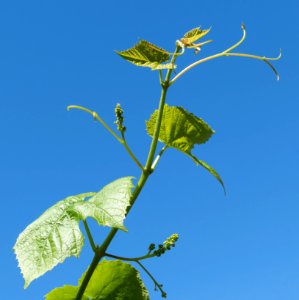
[146,172]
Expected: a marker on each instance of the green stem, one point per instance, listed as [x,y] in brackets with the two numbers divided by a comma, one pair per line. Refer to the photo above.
[158,157]
[88,275]
[124,142]
[159,286]
[96,117]
[165,85]
[121,140]
[100,251]
[89,235]
[130,259]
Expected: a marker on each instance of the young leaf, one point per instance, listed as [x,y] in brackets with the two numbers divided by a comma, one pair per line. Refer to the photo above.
[146,54]
[193,35]
[111,280]
[67,292]
[182,130]
[49,240]
[108,207]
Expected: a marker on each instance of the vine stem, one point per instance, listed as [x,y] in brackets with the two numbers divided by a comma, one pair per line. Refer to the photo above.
[146,172]
[228,53]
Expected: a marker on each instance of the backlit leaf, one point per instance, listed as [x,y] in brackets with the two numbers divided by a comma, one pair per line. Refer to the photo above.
[182,130]
[193,35]
[56,235]
[146,54]
[49,240]
[108,207]
[111,280]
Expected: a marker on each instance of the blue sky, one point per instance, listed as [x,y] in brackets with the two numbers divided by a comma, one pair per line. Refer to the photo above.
[57,53]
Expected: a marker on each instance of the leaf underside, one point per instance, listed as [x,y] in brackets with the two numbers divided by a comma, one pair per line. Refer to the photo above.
[112,280]
[56,235]
[182,130]
[146,54]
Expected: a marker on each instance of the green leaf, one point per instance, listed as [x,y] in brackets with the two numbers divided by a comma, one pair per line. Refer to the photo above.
[115,280]
[111,280]
[182,130]
[56,235]
[108,207]
[49,240]
[146,54]
[67,292]
[193,35]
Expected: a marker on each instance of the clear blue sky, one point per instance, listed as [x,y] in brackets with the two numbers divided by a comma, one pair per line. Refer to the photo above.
[244,246]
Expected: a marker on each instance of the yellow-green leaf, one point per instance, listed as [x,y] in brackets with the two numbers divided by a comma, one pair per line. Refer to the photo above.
[146,54]
[182,130]
[111,280]
[193,35]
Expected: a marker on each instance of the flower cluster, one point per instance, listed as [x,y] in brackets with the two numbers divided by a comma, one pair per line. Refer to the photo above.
[167,245]
[119,118]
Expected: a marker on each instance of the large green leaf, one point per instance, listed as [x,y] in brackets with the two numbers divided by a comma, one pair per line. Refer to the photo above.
[108,207]
[182,130]
[56,235]
[146,54]
[49,240]
[193,35]
[111,280]
[67,292]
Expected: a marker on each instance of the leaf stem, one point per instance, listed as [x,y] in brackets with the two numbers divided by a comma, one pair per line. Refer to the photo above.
[160,77]
[159,286]
[158,157]
[89,235]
